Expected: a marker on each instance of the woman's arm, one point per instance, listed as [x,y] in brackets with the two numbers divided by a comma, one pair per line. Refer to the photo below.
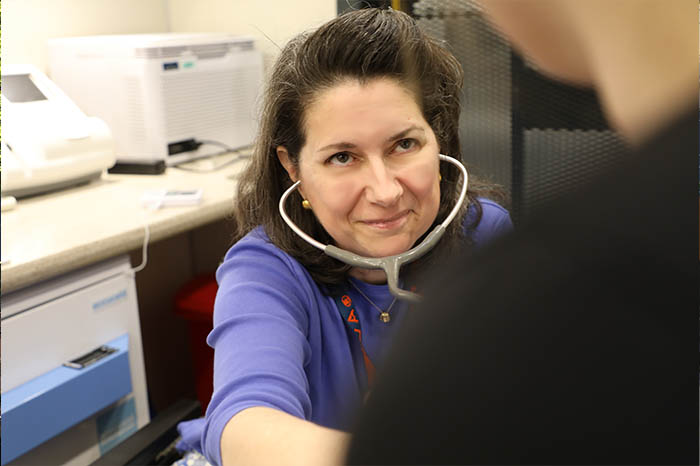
[262,436]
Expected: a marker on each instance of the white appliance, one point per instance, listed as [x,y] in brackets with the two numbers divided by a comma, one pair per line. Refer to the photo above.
[54,414]
[48,142]
[162,94]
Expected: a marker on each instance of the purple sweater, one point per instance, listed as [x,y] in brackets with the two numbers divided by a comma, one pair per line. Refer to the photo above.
[280,342]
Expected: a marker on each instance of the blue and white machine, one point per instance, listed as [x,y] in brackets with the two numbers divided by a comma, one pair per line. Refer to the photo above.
[73,377]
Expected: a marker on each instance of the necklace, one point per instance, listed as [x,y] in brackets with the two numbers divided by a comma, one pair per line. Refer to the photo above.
[383,315]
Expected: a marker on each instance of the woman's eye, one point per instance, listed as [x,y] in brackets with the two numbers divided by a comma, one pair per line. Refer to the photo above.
[405,145]
[341,158]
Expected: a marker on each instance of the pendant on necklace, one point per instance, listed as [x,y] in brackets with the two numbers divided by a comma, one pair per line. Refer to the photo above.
[384,317]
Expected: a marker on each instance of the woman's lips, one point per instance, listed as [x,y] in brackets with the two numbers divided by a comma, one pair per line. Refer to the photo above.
[388,223]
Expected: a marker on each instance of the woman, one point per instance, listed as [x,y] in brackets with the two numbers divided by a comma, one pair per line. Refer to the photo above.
[358,111]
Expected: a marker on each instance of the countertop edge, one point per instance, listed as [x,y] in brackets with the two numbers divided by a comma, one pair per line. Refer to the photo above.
[19,276]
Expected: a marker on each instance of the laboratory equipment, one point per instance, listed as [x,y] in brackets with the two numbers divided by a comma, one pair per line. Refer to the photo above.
[48,142]
[171,97]
[87,319]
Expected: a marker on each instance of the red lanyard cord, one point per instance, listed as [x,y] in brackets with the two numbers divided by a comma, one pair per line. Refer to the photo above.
[352,323]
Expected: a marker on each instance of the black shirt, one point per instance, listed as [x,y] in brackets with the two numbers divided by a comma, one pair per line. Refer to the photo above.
[573,341]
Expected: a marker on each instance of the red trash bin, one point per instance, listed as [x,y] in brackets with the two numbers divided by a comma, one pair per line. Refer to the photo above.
[194,302]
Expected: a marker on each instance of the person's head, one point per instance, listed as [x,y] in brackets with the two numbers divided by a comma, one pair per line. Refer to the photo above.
[358,110]
[369,165]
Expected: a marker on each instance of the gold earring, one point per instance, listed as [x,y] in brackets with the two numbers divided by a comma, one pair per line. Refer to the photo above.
[439,177]
[306,204]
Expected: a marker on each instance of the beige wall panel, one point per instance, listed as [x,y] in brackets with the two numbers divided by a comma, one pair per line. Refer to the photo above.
[269,22]
[28,24]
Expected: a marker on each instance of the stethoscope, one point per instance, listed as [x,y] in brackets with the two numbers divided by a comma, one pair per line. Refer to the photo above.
[389,264]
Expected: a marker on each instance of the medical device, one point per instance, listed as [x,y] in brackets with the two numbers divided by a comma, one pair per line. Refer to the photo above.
[389,264]
[73,373]
[168,97]
[48,142]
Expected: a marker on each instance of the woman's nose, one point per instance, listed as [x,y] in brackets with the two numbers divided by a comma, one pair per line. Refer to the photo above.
[383,187]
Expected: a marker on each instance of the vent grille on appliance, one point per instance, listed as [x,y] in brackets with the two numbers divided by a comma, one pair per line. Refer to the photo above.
[135,121]
[205,104]
[159,52]
[200,51]
[209,51]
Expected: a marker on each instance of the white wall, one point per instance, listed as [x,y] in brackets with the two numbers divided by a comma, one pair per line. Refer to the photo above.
[27,24]
[279,20]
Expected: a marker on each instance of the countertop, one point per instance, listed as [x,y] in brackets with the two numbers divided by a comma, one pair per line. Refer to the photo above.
[50,234]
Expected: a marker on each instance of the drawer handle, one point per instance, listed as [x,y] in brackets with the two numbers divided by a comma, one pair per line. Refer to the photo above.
[90,358]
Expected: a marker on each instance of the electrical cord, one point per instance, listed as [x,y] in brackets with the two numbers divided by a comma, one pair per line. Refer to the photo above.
[238,158]
[146,237]
[151,203]
[227,149]
[211,142]
[155,206]
[144,250]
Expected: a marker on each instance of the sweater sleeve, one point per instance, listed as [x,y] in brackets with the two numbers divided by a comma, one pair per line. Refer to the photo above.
[259,338]
[495,222]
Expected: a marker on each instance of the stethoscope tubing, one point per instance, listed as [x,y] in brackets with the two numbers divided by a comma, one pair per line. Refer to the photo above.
[390,264]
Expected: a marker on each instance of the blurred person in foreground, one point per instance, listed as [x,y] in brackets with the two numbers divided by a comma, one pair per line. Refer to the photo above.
[575,339]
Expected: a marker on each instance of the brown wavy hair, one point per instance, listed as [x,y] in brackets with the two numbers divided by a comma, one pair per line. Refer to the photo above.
[362,45]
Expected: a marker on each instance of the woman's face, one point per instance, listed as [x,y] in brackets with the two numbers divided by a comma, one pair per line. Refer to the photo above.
[370,167]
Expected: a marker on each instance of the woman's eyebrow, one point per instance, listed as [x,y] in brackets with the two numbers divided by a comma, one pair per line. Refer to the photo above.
[338,146]
[405,132]
[349,145]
